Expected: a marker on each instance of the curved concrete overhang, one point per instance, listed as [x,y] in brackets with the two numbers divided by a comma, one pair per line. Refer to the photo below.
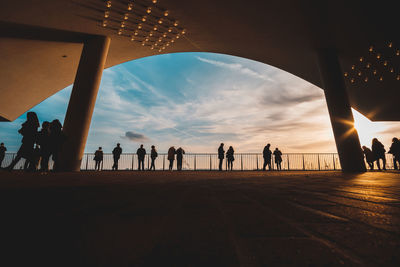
[41,42]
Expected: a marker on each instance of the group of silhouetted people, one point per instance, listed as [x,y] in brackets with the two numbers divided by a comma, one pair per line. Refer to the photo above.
[267,155]
[141,154]
[37,146]
[377,153]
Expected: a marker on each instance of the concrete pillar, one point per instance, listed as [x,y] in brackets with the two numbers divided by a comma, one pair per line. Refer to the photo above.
[82,102]
[346,136]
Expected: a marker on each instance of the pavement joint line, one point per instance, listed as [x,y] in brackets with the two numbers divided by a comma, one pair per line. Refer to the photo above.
[330,244]
[319,212]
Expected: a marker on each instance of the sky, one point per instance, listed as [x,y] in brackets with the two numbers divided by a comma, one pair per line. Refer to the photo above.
[197,101]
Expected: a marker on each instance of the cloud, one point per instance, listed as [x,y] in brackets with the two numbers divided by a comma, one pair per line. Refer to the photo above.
[132,136]
[179,100]
[234,66]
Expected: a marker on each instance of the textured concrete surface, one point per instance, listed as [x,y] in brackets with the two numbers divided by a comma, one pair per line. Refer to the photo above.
[200,219]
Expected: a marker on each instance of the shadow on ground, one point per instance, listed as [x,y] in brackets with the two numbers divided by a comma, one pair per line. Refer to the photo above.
[200,219]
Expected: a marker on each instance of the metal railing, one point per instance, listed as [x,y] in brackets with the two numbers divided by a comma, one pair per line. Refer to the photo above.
[204,161]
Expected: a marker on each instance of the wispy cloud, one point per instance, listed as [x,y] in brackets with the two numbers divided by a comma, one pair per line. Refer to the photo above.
[234,67]
[199,100]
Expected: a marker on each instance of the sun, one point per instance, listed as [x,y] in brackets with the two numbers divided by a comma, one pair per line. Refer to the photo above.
[367,129]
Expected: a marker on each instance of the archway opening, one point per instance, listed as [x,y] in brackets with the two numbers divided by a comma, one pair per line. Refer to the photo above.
[197,100]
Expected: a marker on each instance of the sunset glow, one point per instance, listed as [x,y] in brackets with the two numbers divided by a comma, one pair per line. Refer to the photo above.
[197,100]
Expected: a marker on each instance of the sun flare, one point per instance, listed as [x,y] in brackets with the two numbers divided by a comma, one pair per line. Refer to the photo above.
[367,129]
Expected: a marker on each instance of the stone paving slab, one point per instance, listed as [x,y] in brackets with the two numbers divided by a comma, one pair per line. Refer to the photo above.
[200,219]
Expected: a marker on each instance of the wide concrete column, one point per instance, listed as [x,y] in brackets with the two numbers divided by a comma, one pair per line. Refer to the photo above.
[82,101]
[346,136]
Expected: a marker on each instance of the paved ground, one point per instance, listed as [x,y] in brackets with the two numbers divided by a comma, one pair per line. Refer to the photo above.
[200,219]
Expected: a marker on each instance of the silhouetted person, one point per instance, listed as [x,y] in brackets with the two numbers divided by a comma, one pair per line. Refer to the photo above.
[369,157]
[267,157]
[221,155]
[29,133]
[141,153]
[98,158]
[278,159]
[56,141]
[153,156]
[117,151]
[45,146]
[3,150]
[395,151]
[379,153]
[230,158]
[171,157]
[35,159]
[179,158]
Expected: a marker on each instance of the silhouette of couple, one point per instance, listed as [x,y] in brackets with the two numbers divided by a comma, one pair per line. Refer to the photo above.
[141,153]
[267,155]
[229,157]
[179,157]
[376,154]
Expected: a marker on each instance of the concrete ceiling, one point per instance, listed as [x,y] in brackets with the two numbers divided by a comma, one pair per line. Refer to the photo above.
[41,41]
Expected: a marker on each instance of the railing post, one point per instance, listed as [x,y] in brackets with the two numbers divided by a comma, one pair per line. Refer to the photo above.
[132,162]
[87,161]
[257,161]
[148,162]
[319,165]
[304,166]
[241,161]
[210,162]
[163,163]
[195,162]
[334,165]
[288,164]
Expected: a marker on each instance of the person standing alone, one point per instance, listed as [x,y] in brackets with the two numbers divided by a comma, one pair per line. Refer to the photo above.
[230,158]
[395,151]
[117,151]
[141,153]
[171,157]
[267,157]
[29,133]
[278,159]
[45,146]
[379,153]
[221,154]
[98,159]
[153,155]
[179,158]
